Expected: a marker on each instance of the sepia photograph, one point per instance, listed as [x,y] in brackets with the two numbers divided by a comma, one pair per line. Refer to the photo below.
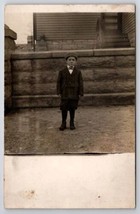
[70,92]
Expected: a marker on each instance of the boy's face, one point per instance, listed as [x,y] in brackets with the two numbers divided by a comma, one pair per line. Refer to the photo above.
[71,61]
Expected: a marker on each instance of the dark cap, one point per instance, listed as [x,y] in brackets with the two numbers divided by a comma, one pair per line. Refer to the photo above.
[71,55]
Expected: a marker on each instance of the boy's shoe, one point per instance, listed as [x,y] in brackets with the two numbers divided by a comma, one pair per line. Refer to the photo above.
[62,127]
[72,127]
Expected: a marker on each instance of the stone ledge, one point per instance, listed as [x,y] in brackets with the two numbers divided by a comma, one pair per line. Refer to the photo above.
[114,52]
[87,100]
[80,53]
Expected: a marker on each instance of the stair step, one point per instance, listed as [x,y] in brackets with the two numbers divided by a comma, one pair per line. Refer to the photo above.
[111,24]
[110,14]
[121,42]
[111,21]
[117,45]
[116,39]
[112,32]
[111,27]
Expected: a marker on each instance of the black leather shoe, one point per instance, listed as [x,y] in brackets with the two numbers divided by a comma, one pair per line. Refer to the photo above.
[62,127]
[72,127]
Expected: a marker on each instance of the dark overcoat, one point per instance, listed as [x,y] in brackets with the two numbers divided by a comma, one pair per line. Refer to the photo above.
[70,86]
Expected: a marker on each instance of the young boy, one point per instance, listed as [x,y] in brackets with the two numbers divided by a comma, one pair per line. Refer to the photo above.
[69,87]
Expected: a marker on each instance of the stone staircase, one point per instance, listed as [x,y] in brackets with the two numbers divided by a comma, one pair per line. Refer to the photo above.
[112,35]
[109,77]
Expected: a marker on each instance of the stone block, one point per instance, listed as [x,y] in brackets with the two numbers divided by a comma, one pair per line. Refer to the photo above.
[22,65]
[7,98]
[49,64]
[113,73]
[126,73]
[91,87]
[104,74]
[7,55]
[111,86]
[35,77]
[31,55]
[125,61]
[7,66]
[34,89]
[113,99]
[8,91]
[125,86]
[87,74]
[8,78]
[92,62]
[36,101]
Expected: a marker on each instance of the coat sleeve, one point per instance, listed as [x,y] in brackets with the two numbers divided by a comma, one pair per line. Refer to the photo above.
[81,85]
[59,80]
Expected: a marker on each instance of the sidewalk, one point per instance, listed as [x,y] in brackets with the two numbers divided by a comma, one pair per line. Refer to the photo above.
[98,130]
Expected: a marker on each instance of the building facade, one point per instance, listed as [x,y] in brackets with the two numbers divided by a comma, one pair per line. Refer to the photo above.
[70,31]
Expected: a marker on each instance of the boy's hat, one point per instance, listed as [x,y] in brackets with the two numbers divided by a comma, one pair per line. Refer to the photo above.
[71,55]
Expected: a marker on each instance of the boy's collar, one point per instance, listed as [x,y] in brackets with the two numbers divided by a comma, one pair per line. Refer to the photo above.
[68,66]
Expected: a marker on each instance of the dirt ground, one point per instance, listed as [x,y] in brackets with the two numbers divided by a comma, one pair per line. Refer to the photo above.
[98,130]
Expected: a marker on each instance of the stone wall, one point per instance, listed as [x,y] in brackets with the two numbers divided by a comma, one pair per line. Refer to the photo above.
[10,46]
[65,45]
[109,77]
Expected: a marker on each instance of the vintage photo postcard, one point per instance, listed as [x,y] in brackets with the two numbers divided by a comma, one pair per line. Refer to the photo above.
[69,138]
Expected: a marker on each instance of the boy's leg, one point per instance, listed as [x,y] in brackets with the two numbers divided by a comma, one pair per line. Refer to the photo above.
[64,118]
[72,115]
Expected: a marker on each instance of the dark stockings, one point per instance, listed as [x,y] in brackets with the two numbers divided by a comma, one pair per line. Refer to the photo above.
[72,114]
[64,118]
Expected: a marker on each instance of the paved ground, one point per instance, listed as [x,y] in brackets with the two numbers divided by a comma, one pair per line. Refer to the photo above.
[98,130]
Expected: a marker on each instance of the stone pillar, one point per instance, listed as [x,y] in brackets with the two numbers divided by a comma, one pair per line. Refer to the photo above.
[10,46]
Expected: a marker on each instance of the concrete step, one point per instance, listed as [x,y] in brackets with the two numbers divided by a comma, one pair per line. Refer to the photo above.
[115,36]
[119,40]
[110,14]
[111,27]
[116,39]
[110,21]
[116,44]
[87,100]
[111,32]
